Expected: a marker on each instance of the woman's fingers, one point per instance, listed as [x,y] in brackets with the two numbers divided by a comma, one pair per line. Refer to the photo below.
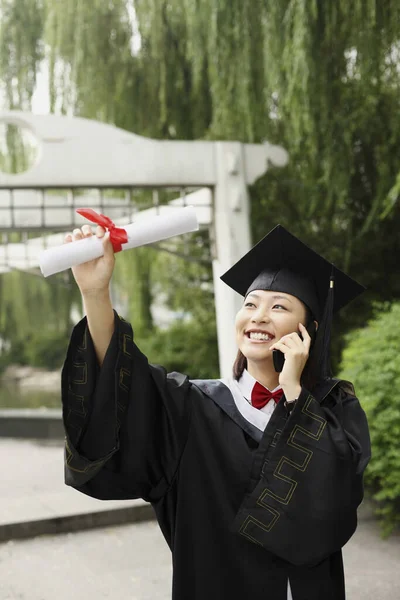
[78,234]
[100,231]
[87,230]
[292,341]
[108,248]
[304,332]
[279,346]
[305,335]
[72,237]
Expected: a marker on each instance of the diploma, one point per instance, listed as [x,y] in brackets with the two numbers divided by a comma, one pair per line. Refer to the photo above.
[146,231]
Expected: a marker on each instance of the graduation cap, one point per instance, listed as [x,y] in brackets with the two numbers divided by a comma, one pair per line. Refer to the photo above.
[281,262]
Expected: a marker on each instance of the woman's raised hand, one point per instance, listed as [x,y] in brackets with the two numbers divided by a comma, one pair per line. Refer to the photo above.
[296,350]
[93,276]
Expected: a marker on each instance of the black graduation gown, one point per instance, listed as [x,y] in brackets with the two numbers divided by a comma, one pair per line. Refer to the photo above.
[241,510]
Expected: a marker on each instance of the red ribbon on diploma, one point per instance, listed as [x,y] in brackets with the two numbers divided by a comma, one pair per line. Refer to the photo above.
[118,236]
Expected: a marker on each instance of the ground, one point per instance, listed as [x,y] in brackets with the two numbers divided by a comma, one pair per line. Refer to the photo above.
[132,562]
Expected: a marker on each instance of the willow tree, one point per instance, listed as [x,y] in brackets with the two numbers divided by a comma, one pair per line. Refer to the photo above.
[333,79]
[20,57]
[334,72]
[89,55]
[319,77]
[21,44]
[96,73]
[29,306]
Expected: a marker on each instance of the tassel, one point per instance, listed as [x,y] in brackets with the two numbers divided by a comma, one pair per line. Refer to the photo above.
[324,358]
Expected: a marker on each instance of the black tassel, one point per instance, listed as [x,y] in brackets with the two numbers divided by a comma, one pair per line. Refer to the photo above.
[324,334]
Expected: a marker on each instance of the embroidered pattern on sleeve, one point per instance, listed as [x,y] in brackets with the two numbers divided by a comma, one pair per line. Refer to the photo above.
[285,486]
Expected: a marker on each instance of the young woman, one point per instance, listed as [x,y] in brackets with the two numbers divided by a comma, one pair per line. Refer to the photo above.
[255,480]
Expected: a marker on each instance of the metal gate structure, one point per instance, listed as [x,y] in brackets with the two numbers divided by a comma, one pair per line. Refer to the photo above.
[87,163]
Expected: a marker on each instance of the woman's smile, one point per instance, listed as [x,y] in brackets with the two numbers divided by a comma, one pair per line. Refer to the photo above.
[258,336]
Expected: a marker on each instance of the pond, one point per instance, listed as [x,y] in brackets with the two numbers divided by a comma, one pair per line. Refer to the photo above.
[12,396]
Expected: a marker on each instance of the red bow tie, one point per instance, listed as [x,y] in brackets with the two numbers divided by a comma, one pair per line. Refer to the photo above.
[260,396]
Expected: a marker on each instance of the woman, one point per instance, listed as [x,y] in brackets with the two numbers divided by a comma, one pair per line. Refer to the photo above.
[255,490]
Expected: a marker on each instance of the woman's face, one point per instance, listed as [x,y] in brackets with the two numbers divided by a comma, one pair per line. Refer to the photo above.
[264,318]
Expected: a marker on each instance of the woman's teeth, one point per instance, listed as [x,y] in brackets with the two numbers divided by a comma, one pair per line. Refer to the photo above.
[253,335]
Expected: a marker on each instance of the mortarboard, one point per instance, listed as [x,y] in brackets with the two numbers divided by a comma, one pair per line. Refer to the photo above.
[282,263]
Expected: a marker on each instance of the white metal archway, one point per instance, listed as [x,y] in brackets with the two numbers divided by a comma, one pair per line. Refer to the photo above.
[84,154]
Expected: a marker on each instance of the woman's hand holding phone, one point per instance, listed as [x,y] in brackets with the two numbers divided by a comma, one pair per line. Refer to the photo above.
[296,349]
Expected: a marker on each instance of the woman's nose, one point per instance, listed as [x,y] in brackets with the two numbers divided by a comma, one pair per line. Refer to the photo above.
[260,316]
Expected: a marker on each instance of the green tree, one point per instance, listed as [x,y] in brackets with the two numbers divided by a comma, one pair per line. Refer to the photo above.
[371,361]
[35,318]
[22,49]
[320,78]
[34,314]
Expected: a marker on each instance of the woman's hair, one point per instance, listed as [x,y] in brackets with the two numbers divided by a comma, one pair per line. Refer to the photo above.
[309,377]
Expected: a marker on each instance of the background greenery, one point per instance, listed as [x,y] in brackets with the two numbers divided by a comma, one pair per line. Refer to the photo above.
[371,361]
[319,78]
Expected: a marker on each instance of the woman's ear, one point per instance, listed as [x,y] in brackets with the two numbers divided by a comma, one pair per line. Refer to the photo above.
[316,325]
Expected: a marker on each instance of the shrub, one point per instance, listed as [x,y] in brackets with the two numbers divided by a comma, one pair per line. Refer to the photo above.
[43,348]
[188,347]
[371,360]
[46,349]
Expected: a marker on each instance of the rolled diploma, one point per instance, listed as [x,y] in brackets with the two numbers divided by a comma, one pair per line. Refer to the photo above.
[146,231]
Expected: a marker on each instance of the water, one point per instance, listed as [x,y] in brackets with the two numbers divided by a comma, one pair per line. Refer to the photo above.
[12,396]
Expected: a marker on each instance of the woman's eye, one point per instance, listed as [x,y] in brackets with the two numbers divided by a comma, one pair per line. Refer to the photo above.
[279,306]
[249,304]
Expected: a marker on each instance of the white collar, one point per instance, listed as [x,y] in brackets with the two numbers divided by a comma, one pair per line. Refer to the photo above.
[241,392]
[258,417]
[246,384]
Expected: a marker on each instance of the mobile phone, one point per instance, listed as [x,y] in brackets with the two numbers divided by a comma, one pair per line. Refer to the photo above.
[279,358]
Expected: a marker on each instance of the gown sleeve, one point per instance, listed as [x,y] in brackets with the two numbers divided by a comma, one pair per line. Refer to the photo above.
[126,424]
[302,505]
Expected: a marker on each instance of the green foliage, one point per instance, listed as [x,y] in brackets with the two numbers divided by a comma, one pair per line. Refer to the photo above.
[89,53]
[132,280]
[35,318]
[18,149]
[39,348]
[46,348]
[184,277]
[319,78]
[187,347]
[14,355]
[371,361]
[22,49]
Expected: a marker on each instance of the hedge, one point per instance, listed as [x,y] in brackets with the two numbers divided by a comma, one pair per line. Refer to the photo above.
[371,360]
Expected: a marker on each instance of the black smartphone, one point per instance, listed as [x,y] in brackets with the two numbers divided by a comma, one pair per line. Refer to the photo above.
[279,358]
